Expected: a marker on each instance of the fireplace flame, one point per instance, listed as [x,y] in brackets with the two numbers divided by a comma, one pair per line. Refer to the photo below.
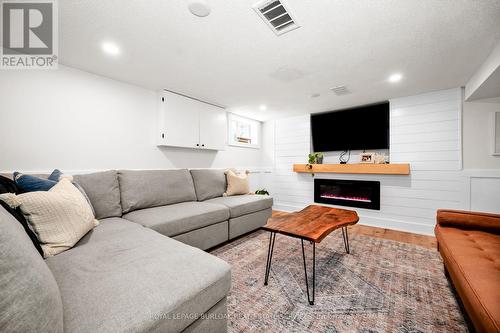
[339,197]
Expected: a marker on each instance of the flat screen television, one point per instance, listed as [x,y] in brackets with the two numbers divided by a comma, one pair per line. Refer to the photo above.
[359,128]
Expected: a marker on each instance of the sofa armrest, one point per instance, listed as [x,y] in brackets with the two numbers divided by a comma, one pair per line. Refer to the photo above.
[469,220]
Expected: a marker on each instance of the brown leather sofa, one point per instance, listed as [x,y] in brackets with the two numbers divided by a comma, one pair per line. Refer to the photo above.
[469,243]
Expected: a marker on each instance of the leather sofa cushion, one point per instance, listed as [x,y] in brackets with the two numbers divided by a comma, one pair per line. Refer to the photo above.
[121,277]
[29,296]
[153,188]
[472,258]
[179,218]
[469,220]
[244,204]
[103,191]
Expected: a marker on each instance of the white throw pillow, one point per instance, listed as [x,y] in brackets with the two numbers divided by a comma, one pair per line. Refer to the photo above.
[237,183]
[59,217]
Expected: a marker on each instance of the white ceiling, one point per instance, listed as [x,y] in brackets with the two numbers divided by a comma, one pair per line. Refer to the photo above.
[232,58]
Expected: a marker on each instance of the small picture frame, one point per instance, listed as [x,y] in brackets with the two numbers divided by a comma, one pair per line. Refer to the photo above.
[367,158]
[495,146]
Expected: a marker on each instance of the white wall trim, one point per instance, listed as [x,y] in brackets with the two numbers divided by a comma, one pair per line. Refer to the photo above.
[470,175]
[461,127]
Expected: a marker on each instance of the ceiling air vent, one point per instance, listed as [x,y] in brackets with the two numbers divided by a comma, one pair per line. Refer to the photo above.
[340,90]
[276,15]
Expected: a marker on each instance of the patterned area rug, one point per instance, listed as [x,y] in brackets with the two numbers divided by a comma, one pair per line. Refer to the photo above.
[382,286]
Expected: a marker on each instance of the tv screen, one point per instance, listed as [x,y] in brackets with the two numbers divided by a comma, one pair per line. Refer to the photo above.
[359,128]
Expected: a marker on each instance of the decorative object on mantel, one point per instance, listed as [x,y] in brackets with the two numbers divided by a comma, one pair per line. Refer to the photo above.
[366,158]
[262,192]
[369,158]
[380,159]
[357,168]
[343,159]
[314,158]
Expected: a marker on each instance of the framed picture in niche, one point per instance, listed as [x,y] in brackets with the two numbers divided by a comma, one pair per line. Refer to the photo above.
[367,158]
[496,134]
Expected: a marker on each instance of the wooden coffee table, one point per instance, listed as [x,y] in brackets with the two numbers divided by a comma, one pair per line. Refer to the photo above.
[312,224]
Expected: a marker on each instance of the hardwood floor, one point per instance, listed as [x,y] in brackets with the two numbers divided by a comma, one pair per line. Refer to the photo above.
[399,236]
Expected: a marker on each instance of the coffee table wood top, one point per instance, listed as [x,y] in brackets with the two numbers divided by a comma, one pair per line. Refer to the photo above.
[313,223]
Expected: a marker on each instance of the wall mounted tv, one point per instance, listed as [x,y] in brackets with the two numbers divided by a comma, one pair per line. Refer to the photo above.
[359,128]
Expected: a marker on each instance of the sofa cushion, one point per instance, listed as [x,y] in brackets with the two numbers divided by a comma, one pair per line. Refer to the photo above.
[209,183]
[244,204]
[103,191]
[179,218]
[56,176]
[237,183]
[152,188]
[249,222]
[472,259]
[59,217]
[206,237]
[29,296]
[469,220]
[122,277]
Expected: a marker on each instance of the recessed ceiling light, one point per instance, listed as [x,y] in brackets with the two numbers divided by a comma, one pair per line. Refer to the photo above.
[110,48]
[395,78]
[199,8]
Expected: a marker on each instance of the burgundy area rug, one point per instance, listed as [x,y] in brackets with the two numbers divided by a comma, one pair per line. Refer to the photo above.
[382,286]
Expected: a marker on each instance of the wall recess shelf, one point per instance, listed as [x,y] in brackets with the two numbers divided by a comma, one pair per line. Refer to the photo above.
[379,169]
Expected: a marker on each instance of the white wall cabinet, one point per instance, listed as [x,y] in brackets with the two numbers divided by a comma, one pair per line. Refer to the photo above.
[189,123]
[213,128]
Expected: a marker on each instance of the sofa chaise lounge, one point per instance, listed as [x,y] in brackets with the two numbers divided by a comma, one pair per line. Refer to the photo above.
[125,274]
[469,243]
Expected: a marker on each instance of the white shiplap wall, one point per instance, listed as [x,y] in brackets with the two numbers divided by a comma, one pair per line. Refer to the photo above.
[425,132]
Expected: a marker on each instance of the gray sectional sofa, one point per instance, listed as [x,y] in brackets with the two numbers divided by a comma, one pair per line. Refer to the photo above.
[143,268]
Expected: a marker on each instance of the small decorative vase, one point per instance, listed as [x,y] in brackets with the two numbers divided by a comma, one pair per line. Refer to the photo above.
[319,160]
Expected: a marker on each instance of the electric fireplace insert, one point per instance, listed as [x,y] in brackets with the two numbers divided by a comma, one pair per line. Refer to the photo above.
[351,193]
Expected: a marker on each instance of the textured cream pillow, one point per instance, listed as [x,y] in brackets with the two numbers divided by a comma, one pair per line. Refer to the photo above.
[236,183]
[59,217]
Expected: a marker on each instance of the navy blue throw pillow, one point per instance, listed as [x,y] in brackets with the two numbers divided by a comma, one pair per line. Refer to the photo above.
[29,183]
[55,175]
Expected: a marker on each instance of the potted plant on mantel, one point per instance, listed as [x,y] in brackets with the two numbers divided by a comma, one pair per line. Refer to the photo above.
[314,158]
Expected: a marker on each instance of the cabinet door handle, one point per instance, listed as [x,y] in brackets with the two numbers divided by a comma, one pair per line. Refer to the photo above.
[203,145]
[197,145]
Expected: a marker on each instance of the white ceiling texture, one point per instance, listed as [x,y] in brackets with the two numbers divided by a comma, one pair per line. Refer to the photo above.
[231,57]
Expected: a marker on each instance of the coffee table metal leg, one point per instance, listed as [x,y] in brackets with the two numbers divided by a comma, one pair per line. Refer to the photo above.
[345,236]
[270,250]
[309,299]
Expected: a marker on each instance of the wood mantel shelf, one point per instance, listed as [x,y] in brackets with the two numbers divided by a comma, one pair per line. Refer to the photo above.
[379,169]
